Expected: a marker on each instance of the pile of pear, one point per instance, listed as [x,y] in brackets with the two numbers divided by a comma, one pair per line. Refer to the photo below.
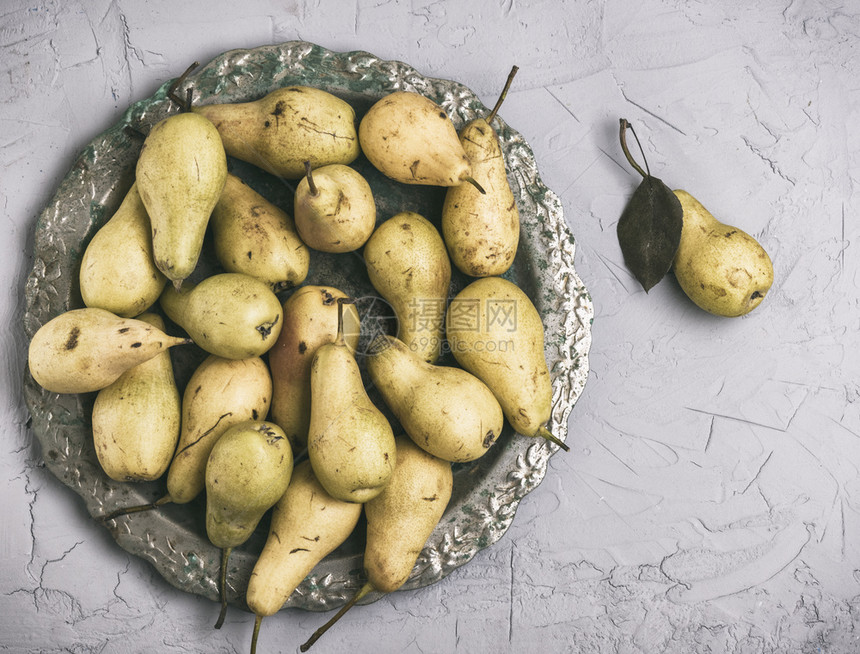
[276,417]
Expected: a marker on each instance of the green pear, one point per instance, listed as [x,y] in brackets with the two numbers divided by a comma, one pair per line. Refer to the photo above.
[408,265]
[117,269]
[410,139]
[496,333]
[399,521]
[482,230]
[220,394]
[350,442]
[724,270]
[85,350]
[334,209]
[310,321]
[135,420]
[446,411]
[180,175]
[255,237]
[231,315]
[248,471]
[287,127]
[307,524]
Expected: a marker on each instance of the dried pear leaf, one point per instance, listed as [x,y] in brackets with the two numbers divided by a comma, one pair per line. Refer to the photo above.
[649,231]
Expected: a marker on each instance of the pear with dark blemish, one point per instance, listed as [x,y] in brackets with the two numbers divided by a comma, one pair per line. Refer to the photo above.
[723,270]
[334,208]
[409,266]
[85,350]
[350,442]
[307,524]
[446,411]
[411,139]
[400,520]
[496,333]
[117,270]
[231,315]
[135,420]
[310,321]
[287,127]
[247,472]
[220,394]
[180,175]
[482,230]
[253,236]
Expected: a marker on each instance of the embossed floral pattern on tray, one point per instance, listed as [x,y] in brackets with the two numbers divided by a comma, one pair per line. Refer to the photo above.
[487,492]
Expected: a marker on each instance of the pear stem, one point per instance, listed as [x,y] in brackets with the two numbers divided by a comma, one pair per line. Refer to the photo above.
[504,93]
[339,339]
[474,183]
[222,585]
[184,105]
[346,607]
[623,137]
[314,191]
[543,432]
[257,622]
[113,515]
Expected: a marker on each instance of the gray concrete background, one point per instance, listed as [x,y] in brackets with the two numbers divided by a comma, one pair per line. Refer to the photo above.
[711,500]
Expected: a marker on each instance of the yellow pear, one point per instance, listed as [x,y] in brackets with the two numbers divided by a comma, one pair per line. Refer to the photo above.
[410,139]
[87,349]
[334,209]
[287,127]
[117,269]
[496,333]
[307,524]
[350,442]
[231,315]
[447,411]
[255,237]
[408,265]
[310,320]
[724,270]
[220,394]
[248,471]
[135,420]
[180,175]
[482,230]
[399,521]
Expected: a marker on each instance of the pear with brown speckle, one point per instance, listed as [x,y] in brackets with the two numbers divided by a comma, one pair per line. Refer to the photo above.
[334,208]
[180,175]
[258,238]
[117,270]
[287,127]
[445,410]
[307,524]
[231,315]
[411,139]
[399,521]
[247,472]
[482,230]
[88,349]
[135,420]
[350,442]
[310,321]
[724,270]
[409,266]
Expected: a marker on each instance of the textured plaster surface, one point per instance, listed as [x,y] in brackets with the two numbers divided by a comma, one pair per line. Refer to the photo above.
[711,500]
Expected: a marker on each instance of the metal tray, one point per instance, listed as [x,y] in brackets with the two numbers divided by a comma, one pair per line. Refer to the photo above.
[486,492]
